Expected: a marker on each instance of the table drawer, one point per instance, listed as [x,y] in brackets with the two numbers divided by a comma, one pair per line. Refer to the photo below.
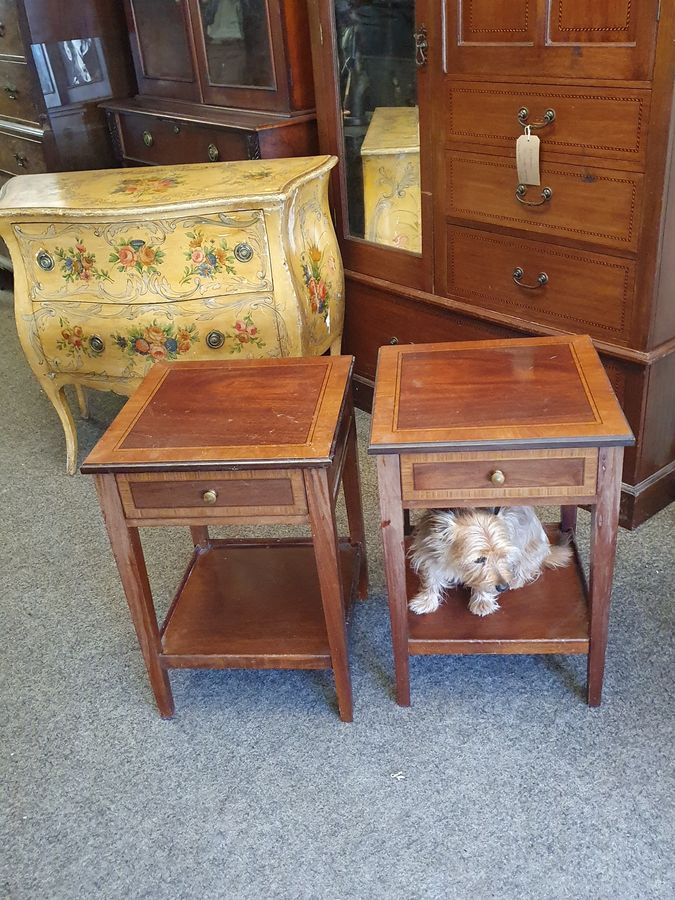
[15,91]
[585,292]
[608,124]
[171,259]
[273,494]
[173,141]
[580,203]
[474,479]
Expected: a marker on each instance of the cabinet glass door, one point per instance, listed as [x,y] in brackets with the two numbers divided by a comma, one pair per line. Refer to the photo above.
[159,43]
[377,84]
[237,43]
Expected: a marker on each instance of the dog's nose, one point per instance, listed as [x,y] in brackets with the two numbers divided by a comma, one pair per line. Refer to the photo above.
[500,588]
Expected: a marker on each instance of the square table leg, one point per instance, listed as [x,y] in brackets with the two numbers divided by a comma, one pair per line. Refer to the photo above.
[604,524]
[128,553]
[391,509]
[200,535]
[326,551]
[352,490]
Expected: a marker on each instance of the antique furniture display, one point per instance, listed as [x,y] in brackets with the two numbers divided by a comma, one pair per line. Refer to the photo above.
[218,80]
[56,65]
[239,443]
[116,269]
[530,421]
[588,250]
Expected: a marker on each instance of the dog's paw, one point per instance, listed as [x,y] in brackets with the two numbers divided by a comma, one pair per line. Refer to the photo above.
[483,605]
[424,602]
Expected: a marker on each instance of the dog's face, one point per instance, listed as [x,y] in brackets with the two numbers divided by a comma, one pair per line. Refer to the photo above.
[481,552]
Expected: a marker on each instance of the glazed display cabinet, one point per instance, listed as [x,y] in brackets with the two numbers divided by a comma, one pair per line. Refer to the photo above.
[423,103]
[217,80]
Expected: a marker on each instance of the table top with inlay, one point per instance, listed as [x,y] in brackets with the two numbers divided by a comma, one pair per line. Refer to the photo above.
[508,394]
[228,414]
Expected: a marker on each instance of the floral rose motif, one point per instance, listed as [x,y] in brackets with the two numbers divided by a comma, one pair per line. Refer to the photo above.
[157,341]
[207,257]
[136,254]
[75,341]
[318,289]
[245,332]
[79,265]
[198,256]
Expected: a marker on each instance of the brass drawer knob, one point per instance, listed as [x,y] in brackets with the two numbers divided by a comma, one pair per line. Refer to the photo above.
[243,252]
[212,152]
[148,139]
[45,261]
[96,343]
[545,196]
[215,340]
[11,91]
[518,274]
[393,341]
[498,478]
[547,119]
[21,160]
[210,497]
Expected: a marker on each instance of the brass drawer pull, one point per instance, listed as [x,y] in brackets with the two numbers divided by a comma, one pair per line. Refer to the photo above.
[11,91]
[421,46]
[542,279]
[96,343]
[21,160]
[243,252]
[547,119]
[498,478]
[148,139]
[521,190]
[45,261]
[210,497]
[393,341]
[212,152]
[176,129]
[215,340]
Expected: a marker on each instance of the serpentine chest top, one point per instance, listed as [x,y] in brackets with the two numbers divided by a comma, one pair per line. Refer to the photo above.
[115,269]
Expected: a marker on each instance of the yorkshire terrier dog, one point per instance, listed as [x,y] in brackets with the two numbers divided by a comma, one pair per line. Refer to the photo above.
[487,551]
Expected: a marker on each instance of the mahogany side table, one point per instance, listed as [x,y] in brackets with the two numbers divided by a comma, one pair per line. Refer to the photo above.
[530,421]
[238,443]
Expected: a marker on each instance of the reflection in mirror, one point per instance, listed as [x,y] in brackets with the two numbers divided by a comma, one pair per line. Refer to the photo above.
[378,95]
[238,48]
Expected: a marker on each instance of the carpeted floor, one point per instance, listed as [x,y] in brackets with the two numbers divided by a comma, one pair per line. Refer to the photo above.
[511,787]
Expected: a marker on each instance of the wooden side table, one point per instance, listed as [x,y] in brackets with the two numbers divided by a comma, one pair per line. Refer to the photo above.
[507,422]
[239,443]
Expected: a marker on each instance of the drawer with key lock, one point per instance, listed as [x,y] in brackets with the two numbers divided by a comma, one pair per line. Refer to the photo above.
[15,91]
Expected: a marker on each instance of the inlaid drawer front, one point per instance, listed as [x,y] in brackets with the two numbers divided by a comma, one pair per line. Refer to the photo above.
[238,495]
[21,155]
[575,290]
[174,141]
[134,261]
[123,341]
[508,474]
[610,124]
[586,204]
[15,91]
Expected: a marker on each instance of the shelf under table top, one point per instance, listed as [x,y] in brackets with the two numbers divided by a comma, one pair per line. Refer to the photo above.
[253,605]
[548,616]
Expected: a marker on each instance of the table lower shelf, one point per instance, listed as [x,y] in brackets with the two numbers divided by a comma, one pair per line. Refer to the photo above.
[253,605]
[548,616]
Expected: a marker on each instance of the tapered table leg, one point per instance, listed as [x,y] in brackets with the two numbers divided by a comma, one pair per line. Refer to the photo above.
[200,535]
[389,482]
[568,518]
[326,551]
[352,491]
[128,553]
[604,524]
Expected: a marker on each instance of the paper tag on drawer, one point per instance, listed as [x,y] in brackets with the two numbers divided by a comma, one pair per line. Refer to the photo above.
[527,159]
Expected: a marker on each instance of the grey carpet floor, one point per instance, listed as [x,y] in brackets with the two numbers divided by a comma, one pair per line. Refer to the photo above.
[511,787]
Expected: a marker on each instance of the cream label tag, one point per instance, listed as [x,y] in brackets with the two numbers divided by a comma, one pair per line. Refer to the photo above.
[527,159]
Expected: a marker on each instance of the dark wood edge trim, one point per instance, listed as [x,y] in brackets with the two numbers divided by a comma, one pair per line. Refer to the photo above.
[512,444]
[509,500]
[507,321]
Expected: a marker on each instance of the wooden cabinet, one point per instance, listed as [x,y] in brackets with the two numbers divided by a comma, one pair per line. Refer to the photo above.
[588,250]
[218,80]
[57,62]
